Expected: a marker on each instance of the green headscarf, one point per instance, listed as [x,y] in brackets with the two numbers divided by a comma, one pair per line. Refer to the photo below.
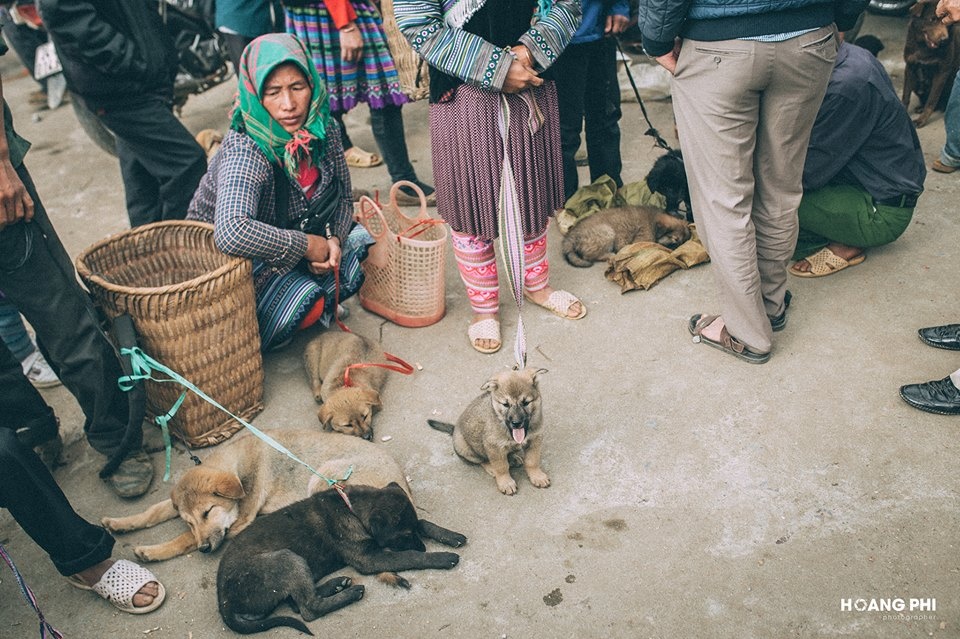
[258,60]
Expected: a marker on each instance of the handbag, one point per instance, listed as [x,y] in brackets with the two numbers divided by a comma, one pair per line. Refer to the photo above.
[320,212]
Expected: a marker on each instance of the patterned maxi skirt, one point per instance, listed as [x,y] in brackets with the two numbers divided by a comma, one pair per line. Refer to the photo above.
[283,301]
[372,79]
[468,158]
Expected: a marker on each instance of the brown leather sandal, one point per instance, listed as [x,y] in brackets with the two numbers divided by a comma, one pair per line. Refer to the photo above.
[728,343]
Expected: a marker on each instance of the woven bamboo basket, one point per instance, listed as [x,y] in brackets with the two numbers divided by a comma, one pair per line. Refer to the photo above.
[405,282]
[194,311]
[414,76]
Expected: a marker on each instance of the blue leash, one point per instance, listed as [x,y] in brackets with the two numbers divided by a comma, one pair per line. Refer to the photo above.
[142,365]
[31,599]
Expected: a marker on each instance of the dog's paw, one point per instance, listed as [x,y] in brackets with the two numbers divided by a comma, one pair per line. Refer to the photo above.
[147,553]
[538,478]
[507,486]
[393,579]
[332,586]
[115,524]
[921,121]
[442,560]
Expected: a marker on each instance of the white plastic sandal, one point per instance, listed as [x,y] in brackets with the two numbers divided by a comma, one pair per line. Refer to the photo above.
[121,582]
[485,329]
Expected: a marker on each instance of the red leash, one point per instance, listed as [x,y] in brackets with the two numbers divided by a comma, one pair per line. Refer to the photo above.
[398,365]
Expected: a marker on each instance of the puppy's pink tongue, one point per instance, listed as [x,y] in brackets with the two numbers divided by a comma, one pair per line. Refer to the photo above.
[519,435]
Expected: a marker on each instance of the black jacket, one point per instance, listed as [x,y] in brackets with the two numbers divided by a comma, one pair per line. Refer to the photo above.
[112,51]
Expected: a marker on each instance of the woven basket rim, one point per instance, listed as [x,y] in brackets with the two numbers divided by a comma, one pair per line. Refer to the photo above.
[87,274]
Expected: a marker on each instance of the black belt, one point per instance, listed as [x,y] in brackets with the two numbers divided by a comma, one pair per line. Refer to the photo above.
[907,201]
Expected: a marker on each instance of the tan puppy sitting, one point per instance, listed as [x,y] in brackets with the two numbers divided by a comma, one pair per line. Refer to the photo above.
[503,427]
[346,409]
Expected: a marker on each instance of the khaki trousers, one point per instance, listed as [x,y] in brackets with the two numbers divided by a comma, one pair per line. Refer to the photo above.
[744,112]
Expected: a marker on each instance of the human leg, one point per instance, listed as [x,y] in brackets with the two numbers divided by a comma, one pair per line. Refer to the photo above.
[37,275]
[477,265]
[536,281]
[160,161]
[845,219]
[602,115]
[570,73]
[800,72]
[717,126]
[950,153]
[387,125]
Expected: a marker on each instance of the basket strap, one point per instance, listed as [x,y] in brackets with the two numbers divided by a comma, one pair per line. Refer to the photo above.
[143,365]
[423,225]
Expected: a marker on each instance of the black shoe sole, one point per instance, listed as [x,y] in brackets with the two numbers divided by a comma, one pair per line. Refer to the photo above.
[945,347]
[927,409]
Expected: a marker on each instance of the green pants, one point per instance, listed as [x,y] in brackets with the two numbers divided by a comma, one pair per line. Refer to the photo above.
[846,214]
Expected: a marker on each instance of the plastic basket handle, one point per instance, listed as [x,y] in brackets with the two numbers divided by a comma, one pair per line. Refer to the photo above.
[368,210]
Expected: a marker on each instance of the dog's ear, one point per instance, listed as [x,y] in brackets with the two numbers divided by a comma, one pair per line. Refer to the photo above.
[535,372]
[228,486]
[325,415]
[372,397]
[490,386]
[917,10]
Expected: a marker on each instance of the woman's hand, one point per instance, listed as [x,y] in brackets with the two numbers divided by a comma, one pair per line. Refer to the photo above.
[318,249]
[521,76]
[332,261]
[351,43]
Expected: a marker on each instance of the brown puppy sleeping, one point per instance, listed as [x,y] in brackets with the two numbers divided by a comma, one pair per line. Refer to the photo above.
[345,409]
[244,477]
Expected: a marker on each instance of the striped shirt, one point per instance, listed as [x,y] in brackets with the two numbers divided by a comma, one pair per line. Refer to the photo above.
[434,29]
[237,196]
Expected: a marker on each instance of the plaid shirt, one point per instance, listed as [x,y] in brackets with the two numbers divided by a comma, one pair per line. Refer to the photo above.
[237,195]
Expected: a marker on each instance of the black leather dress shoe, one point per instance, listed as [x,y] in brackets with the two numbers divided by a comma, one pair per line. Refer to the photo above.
[939,396]
[947,337]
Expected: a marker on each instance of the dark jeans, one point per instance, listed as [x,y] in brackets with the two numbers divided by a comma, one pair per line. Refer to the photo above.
[160,161]
[588,91]
[36,274]
[28,491]
[387,125]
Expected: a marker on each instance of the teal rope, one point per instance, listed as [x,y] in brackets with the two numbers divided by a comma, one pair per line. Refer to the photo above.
[142,366]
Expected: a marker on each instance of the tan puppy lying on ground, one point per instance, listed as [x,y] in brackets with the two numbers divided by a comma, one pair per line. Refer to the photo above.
[503,427]
[245,477]
[347,410]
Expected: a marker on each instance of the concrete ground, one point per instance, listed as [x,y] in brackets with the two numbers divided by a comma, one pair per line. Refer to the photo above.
[693,495]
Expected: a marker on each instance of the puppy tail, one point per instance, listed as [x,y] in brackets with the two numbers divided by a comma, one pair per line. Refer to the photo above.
[443,427]
[570,253]
[245,626]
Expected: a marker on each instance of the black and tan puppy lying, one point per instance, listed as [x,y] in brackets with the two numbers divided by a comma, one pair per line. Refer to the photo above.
[281,557]
[503,427]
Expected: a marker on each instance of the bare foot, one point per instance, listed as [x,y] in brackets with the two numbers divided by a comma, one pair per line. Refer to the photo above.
[143,598]
[482,343]
[841,250]
[713,330]
[539,298]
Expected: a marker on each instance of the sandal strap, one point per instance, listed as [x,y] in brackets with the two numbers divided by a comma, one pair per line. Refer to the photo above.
[826,261]
[484,329]
[122,581]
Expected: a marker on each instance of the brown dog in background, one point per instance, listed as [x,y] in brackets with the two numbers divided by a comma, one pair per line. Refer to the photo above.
[932,56]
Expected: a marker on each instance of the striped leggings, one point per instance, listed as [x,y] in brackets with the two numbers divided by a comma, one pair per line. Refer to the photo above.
[478,269]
